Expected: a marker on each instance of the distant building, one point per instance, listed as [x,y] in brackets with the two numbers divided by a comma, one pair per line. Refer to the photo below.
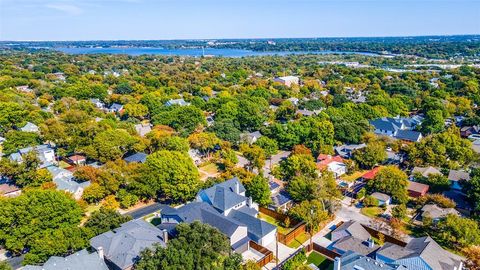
[287,80]
[251,137]
[45,154]
[9,190]
[30,127]
[426,171]
[121,247]
[456,177]
[81,260]
[116,108]
[370,175]
[352,236]
[77,159]
[98,103]
[382,198]
[346,150]
[416,189]
[179,102]
[399,128]
[143,128]
[136,158]
[65,181]
[293,100]
[24,88]
[437,213]
[334,164]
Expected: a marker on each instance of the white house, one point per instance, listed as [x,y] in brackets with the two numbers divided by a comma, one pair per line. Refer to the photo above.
[30,127]
[287,80]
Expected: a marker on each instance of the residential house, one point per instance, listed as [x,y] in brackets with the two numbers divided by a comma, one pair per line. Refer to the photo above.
[98,103]
[45,154]
[30,127]
[229,199]
[121,247]
[425,171]
[394,158]
[24,88]
[116,108]
[416,189]
[251,137]
[354,261]
[352,236]
[65,181]
[81,260]
[370,175]
[399,128]
[143,128]
[287,80]
[419,254]
[281,200]
[456,177]
[308,112]
[383,199]
[293,100]
[179,102]
[195,155]
[9,190]
[346,150]
[77,159]
[334,164]
[437,213]
[59,76]
[136,158]
[469,130]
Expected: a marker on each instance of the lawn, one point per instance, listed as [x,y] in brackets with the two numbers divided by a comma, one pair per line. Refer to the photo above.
[319,260]
[275,222]
[299,240]
[372,211]
[208,170]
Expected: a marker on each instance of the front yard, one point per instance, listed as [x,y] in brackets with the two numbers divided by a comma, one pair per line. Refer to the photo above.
[320,261]
[372,212]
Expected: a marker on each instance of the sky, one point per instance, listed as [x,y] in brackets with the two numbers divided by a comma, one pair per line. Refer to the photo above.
[216,19]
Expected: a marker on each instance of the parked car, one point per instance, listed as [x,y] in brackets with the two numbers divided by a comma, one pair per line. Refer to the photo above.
[474,137]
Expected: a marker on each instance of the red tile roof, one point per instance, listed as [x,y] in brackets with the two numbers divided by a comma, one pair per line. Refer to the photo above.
[371,174]
[323,160]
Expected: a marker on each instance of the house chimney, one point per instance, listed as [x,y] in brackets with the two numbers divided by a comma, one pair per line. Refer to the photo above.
[337,263]
[237,187]
[370,243]
[250,202]
[165,236]
[100,252]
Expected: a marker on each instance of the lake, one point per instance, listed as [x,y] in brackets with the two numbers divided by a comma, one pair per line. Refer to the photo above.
[194,52]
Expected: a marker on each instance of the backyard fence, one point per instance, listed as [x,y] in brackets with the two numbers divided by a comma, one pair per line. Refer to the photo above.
[268,255]
[330,254]
[299,227]
[388,238]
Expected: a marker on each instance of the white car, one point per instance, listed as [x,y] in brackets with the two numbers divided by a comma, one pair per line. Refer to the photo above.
[474,137]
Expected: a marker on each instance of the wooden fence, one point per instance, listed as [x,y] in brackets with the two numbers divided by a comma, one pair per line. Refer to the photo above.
[286,239]
[268,255]
[388,238]
[330,254]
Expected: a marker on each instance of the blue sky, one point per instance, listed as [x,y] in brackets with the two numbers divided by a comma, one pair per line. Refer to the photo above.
[189,19]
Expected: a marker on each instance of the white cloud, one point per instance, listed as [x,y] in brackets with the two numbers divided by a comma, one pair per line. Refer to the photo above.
[66,8]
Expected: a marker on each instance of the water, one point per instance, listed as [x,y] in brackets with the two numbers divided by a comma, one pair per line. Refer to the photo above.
[195,52]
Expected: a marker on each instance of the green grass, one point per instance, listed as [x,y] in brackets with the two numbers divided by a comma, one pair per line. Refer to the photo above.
[319,260]
[299,240]
[275,222]
[352,177]
[211,168]
[156,221]
[372,211]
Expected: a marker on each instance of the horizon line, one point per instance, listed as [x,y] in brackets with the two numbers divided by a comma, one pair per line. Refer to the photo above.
[256,38]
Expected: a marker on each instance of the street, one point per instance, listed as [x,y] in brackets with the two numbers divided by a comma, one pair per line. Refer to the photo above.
[138,213]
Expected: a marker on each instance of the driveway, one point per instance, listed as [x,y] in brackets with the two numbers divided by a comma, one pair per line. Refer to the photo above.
[274,160]
[147,210]
[283,253]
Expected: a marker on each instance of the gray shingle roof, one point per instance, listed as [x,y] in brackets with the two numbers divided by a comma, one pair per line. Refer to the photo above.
[425,248]
[426,171]
[81,260]
[222,196]
[255,226]
[65,181]
[408,135]
[354,261]
[355,229]
[435,212]
[203,212]
[137,157]
[354,244]
[381,196]
[455,175]
[123,245]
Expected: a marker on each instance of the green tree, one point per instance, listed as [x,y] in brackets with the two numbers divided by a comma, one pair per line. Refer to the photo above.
[457,231]
[254,154]
[47,209]
[15,139]
[111,145]
[399,211]
[197,246]
[312,213]
[104,220]
[437,182]
[268,145]
[204,141]
[184,119]
[371,155]
[391,180]
[136,110]
[170,174]
[226,130]
[370,201]
[434,122]
[259,190]
[296,165]
[5,266]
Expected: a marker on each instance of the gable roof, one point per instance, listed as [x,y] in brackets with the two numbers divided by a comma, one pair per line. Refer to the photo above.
[370,175]
[355,229]
[435,212]
[455,175]
[29,127]
[381,196]
[346,150]
[426,171]
[123,245]
[354,261]
[137,157]
[203,212]
[116,107]
[81,260]
[354,244]
[223,196]
[255,226]
[417,187]
[142,129]
[424,247]
[408,135]
[65,181]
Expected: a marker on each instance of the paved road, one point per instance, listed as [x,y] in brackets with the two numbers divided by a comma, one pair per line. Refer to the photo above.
[141,212]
